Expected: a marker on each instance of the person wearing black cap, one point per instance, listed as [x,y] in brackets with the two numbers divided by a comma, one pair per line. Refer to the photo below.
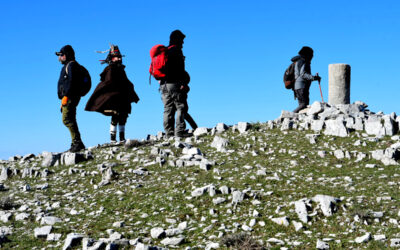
[114,94]
[173,88]
[303,77]
[69,93]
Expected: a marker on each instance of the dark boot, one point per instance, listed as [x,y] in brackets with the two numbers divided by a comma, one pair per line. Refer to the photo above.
[121,136]
[113,137]
[77,146]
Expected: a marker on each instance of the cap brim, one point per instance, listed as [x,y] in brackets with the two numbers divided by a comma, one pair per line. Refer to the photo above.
[59,54]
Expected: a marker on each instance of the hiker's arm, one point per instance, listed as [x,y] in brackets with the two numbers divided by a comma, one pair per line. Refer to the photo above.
[68,84]
[304,74]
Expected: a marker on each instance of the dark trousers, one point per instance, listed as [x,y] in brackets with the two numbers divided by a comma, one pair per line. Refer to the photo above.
[119,118]
[69,119]
[174,102]
[303,96]
[188,117]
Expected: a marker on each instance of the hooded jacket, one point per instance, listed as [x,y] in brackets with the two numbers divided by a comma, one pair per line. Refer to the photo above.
[302,73]
[67,85]
[175,68]
[114,94]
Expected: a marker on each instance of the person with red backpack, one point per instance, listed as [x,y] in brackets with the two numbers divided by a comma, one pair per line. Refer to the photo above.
[303,77]
[173,84]
[114,94]
[70,92]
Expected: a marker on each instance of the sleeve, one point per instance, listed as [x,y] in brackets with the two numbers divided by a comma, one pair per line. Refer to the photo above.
[71,86]
[304,73]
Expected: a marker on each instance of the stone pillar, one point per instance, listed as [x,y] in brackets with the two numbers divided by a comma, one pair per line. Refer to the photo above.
[339,83]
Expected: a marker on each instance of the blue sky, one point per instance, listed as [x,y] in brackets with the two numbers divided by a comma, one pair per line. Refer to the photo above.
[236,53]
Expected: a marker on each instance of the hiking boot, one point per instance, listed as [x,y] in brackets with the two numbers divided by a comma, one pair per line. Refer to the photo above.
[121,136]
[113,137]
[76,147]
[184,135]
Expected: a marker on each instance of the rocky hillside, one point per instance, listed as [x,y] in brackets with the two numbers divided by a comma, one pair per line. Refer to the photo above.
[326,178]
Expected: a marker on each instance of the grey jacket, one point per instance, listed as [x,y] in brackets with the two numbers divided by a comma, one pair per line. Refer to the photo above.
[302,73]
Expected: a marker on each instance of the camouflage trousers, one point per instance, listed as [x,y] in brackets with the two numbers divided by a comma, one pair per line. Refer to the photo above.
[69,119]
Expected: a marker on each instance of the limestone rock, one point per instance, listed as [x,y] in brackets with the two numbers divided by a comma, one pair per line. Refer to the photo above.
[157,233]
[335,128]
[73,239]
[174,241]
[362,239]
[219,143]
[200,131]
[328,204]
[315,108]
[243,127]
[50,159]
[42,231]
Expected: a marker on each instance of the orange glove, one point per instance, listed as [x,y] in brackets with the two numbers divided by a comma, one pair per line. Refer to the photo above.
[64,101]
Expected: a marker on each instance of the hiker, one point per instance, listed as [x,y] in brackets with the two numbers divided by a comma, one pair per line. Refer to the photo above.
[114,94]
[69,93]
[303,77]
[188,117]
[173,87]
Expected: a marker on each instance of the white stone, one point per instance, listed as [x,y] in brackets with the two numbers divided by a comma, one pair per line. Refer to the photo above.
[363,239]
[50,159]
[21,216]
[246,228]
[221,127]
[183,225]
[326,203]
[237,196]
[395,243]
[157,233]
[335,128]
[212,245]
[218,200]
[281,221]
[73,239]
[49,220]
[42,231]
[297,225]
[373,126]
[172,241]
[301,210]
[219,143]
[315,108]
[379,237]
[243,127]
[53,237]
[322,244]
[200,131]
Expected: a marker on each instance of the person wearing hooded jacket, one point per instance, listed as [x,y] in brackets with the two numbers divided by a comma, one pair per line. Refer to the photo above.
[303,77]
[114,94]
[69,93]
[174,88]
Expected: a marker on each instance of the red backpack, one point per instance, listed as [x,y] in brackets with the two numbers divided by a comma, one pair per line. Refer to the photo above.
[158,61]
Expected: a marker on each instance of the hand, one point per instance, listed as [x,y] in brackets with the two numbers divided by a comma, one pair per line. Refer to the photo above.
[64,101]
[317,78]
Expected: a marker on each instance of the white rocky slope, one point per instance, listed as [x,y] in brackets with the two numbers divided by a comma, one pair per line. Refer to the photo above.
[328,177]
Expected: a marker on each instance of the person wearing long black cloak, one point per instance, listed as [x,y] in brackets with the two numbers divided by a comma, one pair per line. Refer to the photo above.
[114,94]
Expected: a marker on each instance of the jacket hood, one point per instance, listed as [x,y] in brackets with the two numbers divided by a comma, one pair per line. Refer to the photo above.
[296,58]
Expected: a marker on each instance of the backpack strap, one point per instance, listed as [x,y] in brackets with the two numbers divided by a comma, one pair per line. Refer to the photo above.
[66,67]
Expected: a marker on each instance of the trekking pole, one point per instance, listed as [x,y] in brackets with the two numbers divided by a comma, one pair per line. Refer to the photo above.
[320,90]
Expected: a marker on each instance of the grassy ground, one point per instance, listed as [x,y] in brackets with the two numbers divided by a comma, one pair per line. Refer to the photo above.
[293,168]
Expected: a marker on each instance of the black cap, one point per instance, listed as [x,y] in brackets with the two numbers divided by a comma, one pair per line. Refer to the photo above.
[177,34]
[306,52]
[176,37]
[66,50]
